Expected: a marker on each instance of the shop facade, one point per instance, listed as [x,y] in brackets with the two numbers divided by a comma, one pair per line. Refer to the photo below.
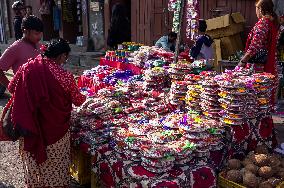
[88,21]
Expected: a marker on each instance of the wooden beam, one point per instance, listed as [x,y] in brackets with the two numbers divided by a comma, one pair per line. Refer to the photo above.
[179,30]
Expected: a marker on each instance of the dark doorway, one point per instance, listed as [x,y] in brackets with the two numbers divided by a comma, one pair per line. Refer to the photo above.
[118,30]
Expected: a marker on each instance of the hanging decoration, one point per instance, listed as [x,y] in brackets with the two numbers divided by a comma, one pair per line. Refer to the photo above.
[175,6]
[192,16]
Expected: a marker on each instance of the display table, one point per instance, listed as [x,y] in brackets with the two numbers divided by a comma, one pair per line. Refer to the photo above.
[114,170]
[255,132]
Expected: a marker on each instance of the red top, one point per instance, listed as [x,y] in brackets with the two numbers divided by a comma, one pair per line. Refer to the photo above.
[43,96]
[18,54]
[264,35]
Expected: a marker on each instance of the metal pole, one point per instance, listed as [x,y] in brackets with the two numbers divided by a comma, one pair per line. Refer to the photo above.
[179,30]
[2,25]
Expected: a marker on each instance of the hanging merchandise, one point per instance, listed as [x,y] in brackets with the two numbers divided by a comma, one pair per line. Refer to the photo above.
[56,18]
[192,16]
[67,11]
[175,6]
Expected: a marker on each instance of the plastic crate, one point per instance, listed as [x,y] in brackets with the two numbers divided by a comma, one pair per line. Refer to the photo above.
[224,183]
[80,166]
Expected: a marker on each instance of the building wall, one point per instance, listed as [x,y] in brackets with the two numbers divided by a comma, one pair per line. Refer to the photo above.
[35,5]
[151,19]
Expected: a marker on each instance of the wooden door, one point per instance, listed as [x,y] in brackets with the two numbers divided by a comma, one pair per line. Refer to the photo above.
[161,19]
[150,20]
[140,21]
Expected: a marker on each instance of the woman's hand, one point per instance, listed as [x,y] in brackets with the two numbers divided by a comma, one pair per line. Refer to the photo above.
[244,60]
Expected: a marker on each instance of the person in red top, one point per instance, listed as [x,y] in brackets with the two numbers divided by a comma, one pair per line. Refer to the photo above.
[264,36]
[43,94]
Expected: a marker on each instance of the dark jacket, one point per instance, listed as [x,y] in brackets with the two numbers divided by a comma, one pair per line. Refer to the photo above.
[120,28]
[203,39]
[17,27]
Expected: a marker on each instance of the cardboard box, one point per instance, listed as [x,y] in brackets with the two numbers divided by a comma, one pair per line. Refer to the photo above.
[225,47]
[226,25]
[230,45]
[217,54]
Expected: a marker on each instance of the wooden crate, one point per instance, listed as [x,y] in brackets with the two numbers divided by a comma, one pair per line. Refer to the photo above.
[94,180]
[80,166]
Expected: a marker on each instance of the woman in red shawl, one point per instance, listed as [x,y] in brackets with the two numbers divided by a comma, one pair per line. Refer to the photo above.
[43,95]
[263,36]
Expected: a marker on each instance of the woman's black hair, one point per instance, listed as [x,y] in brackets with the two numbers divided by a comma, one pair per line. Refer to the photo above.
[202,25]
[57,47]
[173,35]
[32,23]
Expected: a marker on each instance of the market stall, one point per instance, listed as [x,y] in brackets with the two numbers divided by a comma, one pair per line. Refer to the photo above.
[158,119]
[143,129]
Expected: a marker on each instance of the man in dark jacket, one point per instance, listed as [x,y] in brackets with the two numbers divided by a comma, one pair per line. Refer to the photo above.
[20,12]
[203,46]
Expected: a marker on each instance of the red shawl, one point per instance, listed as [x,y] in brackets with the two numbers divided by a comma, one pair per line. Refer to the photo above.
[270,66]
[41,107]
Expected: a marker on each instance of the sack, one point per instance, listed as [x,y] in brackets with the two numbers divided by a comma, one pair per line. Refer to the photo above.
[260,57]
[8,128]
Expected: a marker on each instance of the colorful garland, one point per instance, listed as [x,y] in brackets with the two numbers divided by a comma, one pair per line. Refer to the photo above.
[192,16]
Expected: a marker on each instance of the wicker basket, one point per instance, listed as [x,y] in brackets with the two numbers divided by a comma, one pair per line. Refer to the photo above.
[224,183]
[281,185]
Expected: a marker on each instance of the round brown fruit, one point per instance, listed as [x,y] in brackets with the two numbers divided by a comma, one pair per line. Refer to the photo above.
[234,164]
[250,180]
[265,172]
[235,176]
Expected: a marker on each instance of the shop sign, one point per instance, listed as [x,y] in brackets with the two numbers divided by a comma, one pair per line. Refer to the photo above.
[95,6]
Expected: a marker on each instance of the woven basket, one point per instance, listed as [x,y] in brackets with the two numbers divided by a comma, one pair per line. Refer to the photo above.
[224,183]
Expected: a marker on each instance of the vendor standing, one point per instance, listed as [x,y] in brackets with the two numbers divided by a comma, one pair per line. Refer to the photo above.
[203,46]
[167,42]
[263,40]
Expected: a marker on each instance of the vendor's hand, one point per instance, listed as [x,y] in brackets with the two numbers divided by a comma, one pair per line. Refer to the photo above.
[241,64]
